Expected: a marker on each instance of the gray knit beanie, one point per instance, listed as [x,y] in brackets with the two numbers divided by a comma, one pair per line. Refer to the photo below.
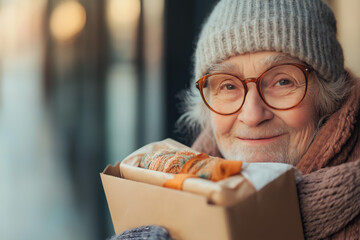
[304,29]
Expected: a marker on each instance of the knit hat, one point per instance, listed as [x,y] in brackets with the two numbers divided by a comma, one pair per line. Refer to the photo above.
[304,29]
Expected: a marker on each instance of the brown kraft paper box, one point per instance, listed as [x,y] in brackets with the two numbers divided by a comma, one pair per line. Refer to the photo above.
[270,213]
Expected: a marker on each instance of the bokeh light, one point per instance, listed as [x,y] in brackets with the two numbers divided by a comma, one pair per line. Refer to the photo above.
[67,20]
[123,12]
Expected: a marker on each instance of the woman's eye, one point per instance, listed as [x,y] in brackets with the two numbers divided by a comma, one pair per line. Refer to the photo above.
[228,87]
[284,82]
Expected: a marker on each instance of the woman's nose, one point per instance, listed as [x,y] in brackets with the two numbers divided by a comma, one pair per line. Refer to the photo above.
[254,111]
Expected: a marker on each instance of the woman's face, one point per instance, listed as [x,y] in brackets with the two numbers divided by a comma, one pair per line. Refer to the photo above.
[257,133]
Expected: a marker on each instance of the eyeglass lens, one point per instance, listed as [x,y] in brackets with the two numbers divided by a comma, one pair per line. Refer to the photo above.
[281,87]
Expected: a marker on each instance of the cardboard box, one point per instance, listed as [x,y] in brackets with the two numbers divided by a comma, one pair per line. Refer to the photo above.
[270,213]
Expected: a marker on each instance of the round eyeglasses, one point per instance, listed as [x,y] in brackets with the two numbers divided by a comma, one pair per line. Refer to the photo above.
[281,87]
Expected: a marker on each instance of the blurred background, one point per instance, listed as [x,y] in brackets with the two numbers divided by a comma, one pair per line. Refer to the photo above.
[82,85]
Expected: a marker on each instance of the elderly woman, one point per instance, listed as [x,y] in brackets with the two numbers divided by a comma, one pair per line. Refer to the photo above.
[271,87]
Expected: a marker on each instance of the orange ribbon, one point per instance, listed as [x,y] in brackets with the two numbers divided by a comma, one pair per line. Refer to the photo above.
[222,169]
[178,181]
[225,169]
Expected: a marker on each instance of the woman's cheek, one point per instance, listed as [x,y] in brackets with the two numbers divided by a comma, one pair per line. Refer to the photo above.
[222,124]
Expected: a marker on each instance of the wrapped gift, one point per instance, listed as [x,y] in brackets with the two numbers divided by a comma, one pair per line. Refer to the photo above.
[196,196]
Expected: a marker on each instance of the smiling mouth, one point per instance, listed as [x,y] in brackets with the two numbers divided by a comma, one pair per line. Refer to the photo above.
[259,140]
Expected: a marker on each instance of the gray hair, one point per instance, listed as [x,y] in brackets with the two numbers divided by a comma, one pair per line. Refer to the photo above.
[331,94]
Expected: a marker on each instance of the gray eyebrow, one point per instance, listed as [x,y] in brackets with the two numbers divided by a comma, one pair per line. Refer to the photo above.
[223,67]
[268,62]
[278,59]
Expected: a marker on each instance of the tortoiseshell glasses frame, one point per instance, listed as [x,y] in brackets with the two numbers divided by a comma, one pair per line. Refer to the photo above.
[226,89]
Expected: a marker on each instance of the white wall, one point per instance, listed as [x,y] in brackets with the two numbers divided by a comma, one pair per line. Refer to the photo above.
[347,13]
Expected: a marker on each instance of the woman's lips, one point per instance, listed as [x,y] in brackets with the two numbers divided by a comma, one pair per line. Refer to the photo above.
[260,140]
